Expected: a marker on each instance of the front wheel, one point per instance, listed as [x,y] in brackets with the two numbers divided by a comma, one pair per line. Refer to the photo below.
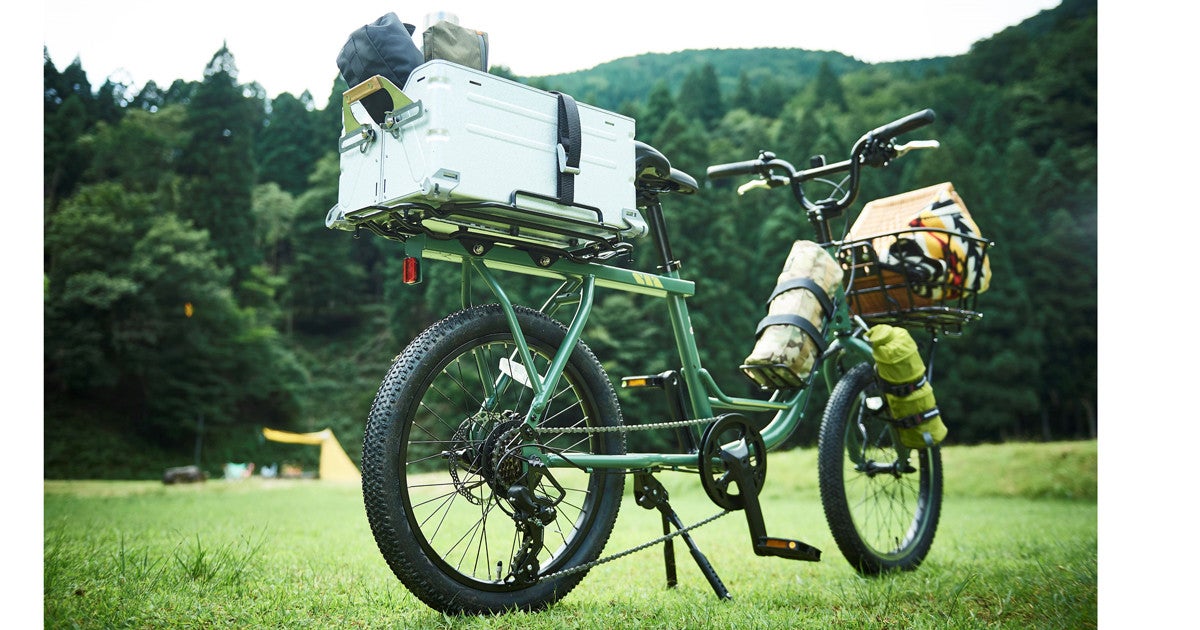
[882,500]
[459,504]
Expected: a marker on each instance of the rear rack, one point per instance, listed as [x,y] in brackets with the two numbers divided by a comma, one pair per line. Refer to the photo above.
[489,223]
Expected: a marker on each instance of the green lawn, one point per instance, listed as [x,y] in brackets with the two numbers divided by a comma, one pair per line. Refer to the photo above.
[1016,548]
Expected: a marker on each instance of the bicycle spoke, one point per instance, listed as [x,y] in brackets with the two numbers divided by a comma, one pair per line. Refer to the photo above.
[476,527]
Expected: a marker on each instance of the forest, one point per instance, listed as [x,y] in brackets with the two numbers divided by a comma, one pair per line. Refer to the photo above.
[193,295]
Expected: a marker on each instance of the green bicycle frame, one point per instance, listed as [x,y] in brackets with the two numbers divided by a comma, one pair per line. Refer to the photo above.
[579,284]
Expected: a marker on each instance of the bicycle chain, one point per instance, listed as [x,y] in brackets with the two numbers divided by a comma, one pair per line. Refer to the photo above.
[632,550]
[624,428]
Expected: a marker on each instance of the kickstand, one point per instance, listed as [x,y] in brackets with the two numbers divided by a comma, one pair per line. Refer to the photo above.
[669,553]
[651,494]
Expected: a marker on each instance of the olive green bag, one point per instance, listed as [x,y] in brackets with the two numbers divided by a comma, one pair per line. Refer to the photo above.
[907,390]
[456,44]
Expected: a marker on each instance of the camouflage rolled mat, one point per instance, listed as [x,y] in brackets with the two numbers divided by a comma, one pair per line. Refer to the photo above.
[784,350]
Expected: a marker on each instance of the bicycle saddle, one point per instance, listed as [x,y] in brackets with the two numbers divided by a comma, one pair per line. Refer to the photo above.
[653,173]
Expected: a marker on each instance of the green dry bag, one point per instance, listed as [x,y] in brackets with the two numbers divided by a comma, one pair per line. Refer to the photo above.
[907,390]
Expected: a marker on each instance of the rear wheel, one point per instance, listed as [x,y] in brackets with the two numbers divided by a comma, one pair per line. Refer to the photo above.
[882,500]
[460,511]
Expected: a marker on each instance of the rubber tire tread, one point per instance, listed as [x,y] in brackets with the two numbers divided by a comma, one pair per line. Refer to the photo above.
[381,491]
[830,462]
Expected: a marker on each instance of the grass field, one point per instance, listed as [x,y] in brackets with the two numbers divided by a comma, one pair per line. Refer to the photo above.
[1016,548]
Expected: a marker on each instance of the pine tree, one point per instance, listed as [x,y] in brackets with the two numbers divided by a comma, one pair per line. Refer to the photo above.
[659,105]
[219,164]
[827,88]
[700,96]
[744,96]
[64,157]
[289,145]
[150,98]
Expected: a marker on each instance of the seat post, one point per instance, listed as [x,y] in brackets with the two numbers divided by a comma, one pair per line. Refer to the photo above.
[658,227]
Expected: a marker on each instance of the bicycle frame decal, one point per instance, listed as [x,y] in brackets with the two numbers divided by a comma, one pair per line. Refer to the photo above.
[647,280]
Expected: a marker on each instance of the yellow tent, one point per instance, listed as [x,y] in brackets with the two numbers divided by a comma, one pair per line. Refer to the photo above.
[335,464]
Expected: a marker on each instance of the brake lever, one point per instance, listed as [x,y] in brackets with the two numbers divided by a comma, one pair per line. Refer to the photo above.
[751,185]
[772,181]
[913,145]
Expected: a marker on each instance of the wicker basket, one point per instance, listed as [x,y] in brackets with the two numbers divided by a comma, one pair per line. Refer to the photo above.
[895,293]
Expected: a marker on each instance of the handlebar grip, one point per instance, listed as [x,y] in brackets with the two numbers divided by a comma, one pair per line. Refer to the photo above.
[904,125]
[733,169]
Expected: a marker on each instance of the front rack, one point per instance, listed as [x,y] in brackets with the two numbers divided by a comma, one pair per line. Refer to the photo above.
[893,293]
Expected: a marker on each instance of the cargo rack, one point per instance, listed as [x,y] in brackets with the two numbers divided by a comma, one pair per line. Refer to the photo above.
[479,227]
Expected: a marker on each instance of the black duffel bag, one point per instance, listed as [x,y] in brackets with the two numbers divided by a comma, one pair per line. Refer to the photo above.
[384,47]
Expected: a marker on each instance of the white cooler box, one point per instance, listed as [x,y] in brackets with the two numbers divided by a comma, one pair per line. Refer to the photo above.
[478,155]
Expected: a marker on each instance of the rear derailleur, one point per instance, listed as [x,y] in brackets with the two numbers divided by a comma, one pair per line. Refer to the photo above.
[522,487]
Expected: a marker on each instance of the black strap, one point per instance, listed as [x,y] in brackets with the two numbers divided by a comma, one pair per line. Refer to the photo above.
[908,422]
[901,389]
[797,321]
[569,148]
[805,283]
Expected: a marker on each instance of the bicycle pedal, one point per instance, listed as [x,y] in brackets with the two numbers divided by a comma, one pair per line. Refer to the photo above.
[784,548]
[654,381]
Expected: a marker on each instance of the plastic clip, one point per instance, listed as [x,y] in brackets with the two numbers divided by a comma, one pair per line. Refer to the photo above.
[562,162]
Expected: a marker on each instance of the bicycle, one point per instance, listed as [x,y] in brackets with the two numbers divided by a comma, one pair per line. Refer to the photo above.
[494,455]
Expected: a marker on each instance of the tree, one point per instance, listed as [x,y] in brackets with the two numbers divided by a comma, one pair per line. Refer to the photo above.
[139,316]
[219,164]
[700,95]
[180,92]
[141,152]
[827,88]
[802,133]
[326,279]
[274,212]
[743,97]
[659,105]
[1063,271]
[291,141]
[110,102]
[58,86]
[331,115]
[683,142]
[64,158]
[771,97]
[150,98]
[87,245]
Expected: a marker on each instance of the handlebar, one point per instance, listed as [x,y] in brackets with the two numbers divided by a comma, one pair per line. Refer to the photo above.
[733,169]
[875,148]
[904,125]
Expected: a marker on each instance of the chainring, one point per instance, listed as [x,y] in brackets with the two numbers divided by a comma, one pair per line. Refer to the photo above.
[732,436]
